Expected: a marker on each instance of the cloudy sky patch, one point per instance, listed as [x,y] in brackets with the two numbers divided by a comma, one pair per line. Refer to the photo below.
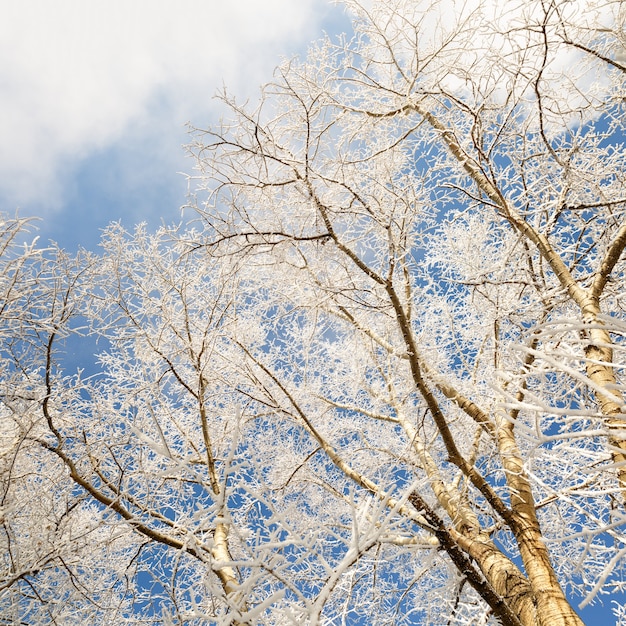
[89,88]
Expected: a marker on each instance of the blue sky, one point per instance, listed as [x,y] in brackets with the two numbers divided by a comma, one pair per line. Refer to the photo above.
[94,98]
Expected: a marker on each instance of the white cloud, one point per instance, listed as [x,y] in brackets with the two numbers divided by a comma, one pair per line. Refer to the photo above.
[75,75]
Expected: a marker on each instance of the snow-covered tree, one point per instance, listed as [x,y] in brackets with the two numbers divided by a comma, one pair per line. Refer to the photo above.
[54,539]
[381,379]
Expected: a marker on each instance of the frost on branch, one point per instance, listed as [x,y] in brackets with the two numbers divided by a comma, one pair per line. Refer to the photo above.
[381,378]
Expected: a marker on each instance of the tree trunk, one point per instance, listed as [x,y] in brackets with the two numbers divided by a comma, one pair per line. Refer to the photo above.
[226,573]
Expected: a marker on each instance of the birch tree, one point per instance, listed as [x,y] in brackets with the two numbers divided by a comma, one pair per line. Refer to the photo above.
[437,209]
[380,380]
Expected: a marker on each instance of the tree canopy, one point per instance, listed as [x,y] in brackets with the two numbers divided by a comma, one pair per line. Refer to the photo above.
[378,380]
